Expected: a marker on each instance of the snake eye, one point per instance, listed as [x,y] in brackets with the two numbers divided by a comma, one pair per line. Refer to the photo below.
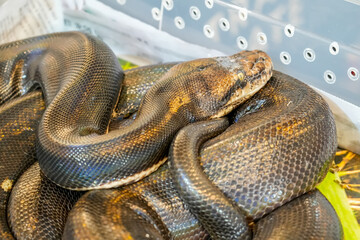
[202,67]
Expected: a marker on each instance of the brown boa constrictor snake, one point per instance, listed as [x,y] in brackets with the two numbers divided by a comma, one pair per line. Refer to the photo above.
[80,80]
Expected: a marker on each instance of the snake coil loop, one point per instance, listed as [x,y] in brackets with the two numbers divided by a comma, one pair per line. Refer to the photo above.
[278,148]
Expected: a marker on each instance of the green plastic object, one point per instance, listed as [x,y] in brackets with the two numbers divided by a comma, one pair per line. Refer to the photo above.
[336,195]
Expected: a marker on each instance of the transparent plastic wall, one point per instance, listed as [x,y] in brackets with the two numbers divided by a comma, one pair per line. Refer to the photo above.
[317,42]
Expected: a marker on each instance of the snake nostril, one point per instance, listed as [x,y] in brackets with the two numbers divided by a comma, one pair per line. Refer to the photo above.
[265,73]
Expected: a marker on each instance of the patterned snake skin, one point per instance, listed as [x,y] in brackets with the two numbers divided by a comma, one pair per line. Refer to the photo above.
[156,206]
[80,78]
[285,138]
[219,216]
[19,119]
[48,205]
[305,211]
[136,83]
[152,208]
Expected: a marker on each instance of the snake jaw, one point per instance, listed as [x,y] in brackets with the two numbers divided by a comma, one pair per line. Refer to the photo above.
[238,98]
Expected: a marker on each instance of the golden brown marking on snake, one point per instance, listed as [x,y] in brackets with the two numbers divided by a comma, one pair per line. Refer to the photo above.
[7,184]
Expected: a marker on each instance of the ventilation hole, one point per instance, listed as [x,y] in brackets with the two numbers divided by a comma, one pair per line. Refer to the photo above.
[243,14]
[242,43]
[309,55]
[334,48]
[121,2]
[261,38]
[353,73]
[224,24]
[289,30]
[285,58]
[168,4]
[209,3]
[329,77]
[155,12]
[195,13]
[208,31]
[179,22]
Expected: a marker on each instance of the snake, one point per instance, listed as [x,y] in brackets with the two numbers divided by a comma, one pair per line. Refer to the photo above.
[159,184]
[284,108]
[81,80]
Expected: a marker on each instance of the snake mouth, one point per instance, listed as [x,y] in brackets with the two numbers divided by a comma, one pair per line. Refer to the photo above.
[238,98]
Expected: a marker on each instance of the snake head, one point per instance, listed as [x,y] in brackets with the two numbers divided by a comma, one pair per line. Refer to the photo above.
[212,87]
[240,77]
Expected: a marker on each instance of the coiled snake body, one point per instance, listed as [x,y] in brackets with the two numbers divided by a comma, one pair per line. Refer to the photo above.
[78,113]
[257,183]
[80,77]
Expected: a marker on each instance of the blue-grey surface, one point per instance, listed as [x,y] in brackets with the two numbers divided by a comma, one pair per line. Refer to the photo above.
[137,9]
[316,25]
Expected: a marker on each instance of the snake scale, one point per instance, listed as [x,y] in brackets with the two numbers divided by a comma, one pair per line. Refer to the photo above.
[278,147]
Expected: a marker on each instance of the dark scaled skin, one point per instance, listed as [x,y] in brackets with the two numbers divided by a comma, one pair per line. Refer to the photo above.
[37,207]
[136,83]
[295,220]
[148,209]
[280,147]
[20,113]
[68,67]
[130,153]
[81,79]
[218,214]
[19,119]
[159,195]
[153,203]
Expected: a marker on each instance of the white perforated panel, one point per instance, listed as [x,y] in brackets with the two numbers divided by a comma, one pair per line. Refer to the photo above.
[319,45]
[316,42]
